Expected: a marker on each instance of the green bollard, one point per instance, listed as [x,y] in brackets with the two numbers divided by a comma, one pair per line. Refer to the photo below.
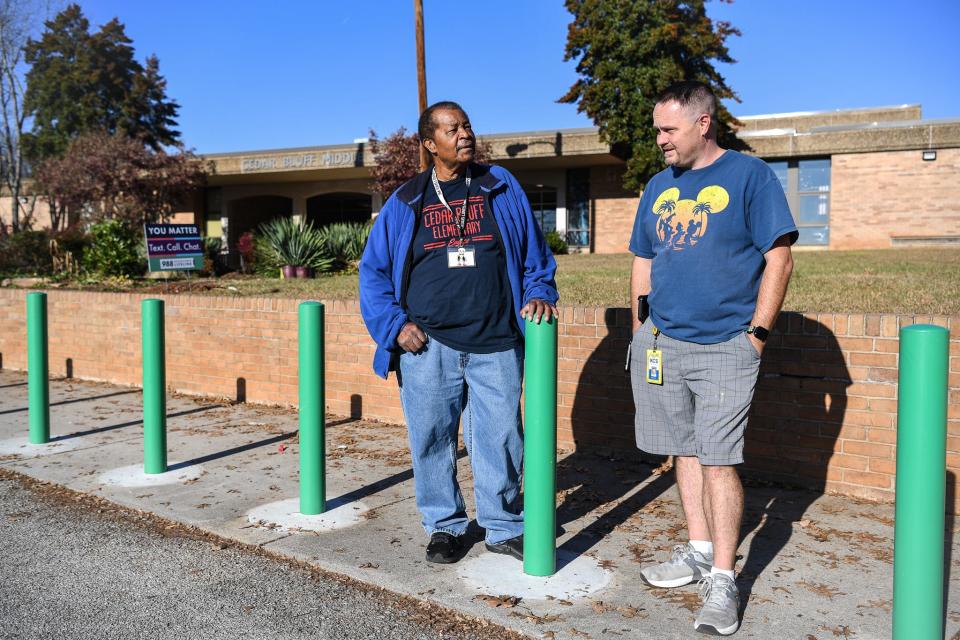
[313,495]
[154,388]
[921,480]
[540,450]
[38,371]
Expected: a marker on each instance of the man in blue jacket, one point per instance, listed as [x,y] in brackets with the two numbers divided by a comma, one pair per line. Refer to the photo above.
[454,264]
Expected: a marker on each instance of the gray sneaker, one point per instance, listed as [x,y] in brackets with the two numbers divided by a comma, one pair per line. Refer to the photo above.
[720,615]
[685,565]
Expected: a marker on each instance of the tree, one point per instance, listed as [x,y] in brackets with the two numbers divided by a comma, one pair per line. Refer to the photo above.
[398,159]
[627,52]
[17,20]
[147,114]
[82,82]
[106,176]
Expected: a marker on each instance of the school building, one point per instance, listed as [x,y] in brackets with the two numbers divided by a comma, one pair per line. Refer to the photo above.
[856,179]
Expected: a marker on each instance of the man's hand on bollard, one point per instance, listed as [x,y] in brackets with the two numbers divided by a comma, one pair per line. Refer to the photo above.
[411,338]
[537,309]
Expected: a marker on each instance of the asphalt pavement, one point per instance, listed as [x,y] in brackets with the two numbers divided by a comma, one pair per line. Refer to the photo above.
[78,568]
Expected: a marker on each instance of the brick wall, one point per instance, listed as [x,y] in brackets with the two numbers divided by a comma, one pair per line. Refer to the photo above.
[824,414]
[878,195]
[210,343]
[613,210]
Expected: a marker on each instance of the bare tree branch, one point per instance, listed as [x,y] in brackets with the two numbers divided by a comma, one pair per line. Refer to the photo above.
[19,20]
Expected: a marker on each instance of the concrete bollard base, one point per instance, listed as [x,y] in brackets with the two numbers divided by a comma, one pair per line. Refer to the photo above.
[285,516]
[133,476]
[576,577]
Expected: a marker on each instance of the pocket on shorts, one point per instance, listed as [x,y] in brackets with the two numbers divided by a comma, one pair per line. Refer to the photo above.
[645,326]
[745,338]
[633,347]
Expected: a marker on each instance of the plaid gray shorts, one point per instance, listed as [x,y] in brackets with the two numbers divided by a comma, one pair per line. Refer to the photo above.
[701,408]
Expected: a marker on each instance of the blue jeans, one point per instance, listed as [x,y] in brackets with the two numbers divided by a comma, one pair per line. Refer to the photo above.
[437,387]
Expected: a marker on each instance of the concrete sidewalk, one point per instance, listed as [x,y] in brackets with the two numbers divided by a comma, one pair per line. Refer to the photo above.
[811,566]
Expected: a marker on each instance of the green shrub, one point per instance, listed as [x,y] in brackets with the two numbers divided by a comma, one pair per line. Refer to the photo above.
[265,261]
[115,251]
[25,253]
[344,242]
[556,243]
[295,243]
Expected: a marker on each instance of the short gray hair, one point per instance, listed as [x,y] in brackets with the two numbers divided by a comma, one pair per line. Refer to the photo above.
[691,94]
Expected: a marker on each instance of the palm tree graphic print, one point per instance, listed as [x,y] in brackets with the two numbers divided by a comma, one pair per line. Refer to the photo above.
[683,222]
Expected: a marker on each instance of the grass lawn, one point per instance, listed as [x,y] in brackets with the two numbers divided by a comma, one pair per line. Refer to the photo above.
[925,281]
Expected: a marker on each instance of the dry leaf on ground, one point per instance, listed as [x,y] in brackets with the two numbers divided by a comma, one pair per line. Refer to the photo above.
[507,602]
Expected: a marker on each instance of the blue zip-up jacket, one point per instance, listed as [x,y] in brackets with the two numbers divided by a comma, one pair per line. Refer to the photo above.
[385,266]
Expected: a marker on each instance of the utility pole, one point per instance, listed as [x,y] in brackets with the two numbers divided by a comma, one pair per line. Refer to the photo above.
[421,75]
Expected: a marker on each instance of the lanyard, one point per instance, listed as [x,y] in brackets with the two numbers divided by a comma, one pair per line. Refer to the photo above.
[461,220]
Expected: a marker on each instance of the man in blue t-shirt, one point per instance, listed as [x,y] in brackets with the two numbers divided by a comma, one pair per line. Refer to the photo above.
[712,261]
[454,265]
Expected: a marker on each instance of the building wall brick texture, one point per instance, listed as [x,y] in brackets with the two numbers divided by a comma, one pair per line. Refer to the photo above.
[614,210]
[877,196]
[874,197]
[824,412]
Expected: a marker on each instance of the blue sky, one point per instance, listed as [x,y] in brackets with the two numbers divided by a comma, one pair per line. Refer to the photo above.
[255,75]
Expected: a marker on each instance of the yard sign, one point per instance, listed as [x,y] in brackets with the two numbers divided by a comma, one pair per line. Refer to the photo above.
[173,247]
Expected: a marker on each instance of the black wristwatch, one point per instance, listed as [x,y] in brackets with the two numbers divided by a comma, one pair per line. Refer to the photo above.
[760,333]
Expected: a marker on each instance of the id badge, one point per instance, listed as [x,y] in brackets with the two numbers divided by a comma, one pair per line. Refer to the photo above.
[654,366]
[460,257]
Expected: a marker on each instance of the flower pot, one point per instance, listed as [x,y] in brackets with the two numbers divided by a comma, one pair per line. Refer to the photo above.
[288,271]
[304,272]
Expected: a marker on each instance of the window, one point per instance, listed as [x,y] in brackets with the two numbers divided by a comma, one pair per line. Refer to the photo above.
[543,202]
[578,208]
[807,186]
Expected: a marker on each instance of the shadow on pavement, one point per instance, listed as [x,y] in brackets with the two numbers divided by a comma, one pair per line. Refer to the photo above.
[601,421]
[797,416]
[593,533]
[230,452]
[383,483]
[90,432]
[244,447]
[56,404]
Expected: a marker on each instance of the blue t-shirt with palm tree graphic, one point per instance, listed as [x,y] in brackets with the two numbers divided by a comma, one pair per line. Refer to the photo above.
[706,231]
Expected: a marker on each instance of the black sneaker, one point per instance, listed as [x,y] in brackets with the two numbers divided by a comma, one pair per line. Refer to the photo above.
[443,548]
[512,547]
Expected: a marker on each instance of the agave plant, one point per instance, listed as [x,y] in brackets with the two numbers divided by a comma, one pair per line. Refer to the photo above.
[279,234]
[344,242]
[296,243]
